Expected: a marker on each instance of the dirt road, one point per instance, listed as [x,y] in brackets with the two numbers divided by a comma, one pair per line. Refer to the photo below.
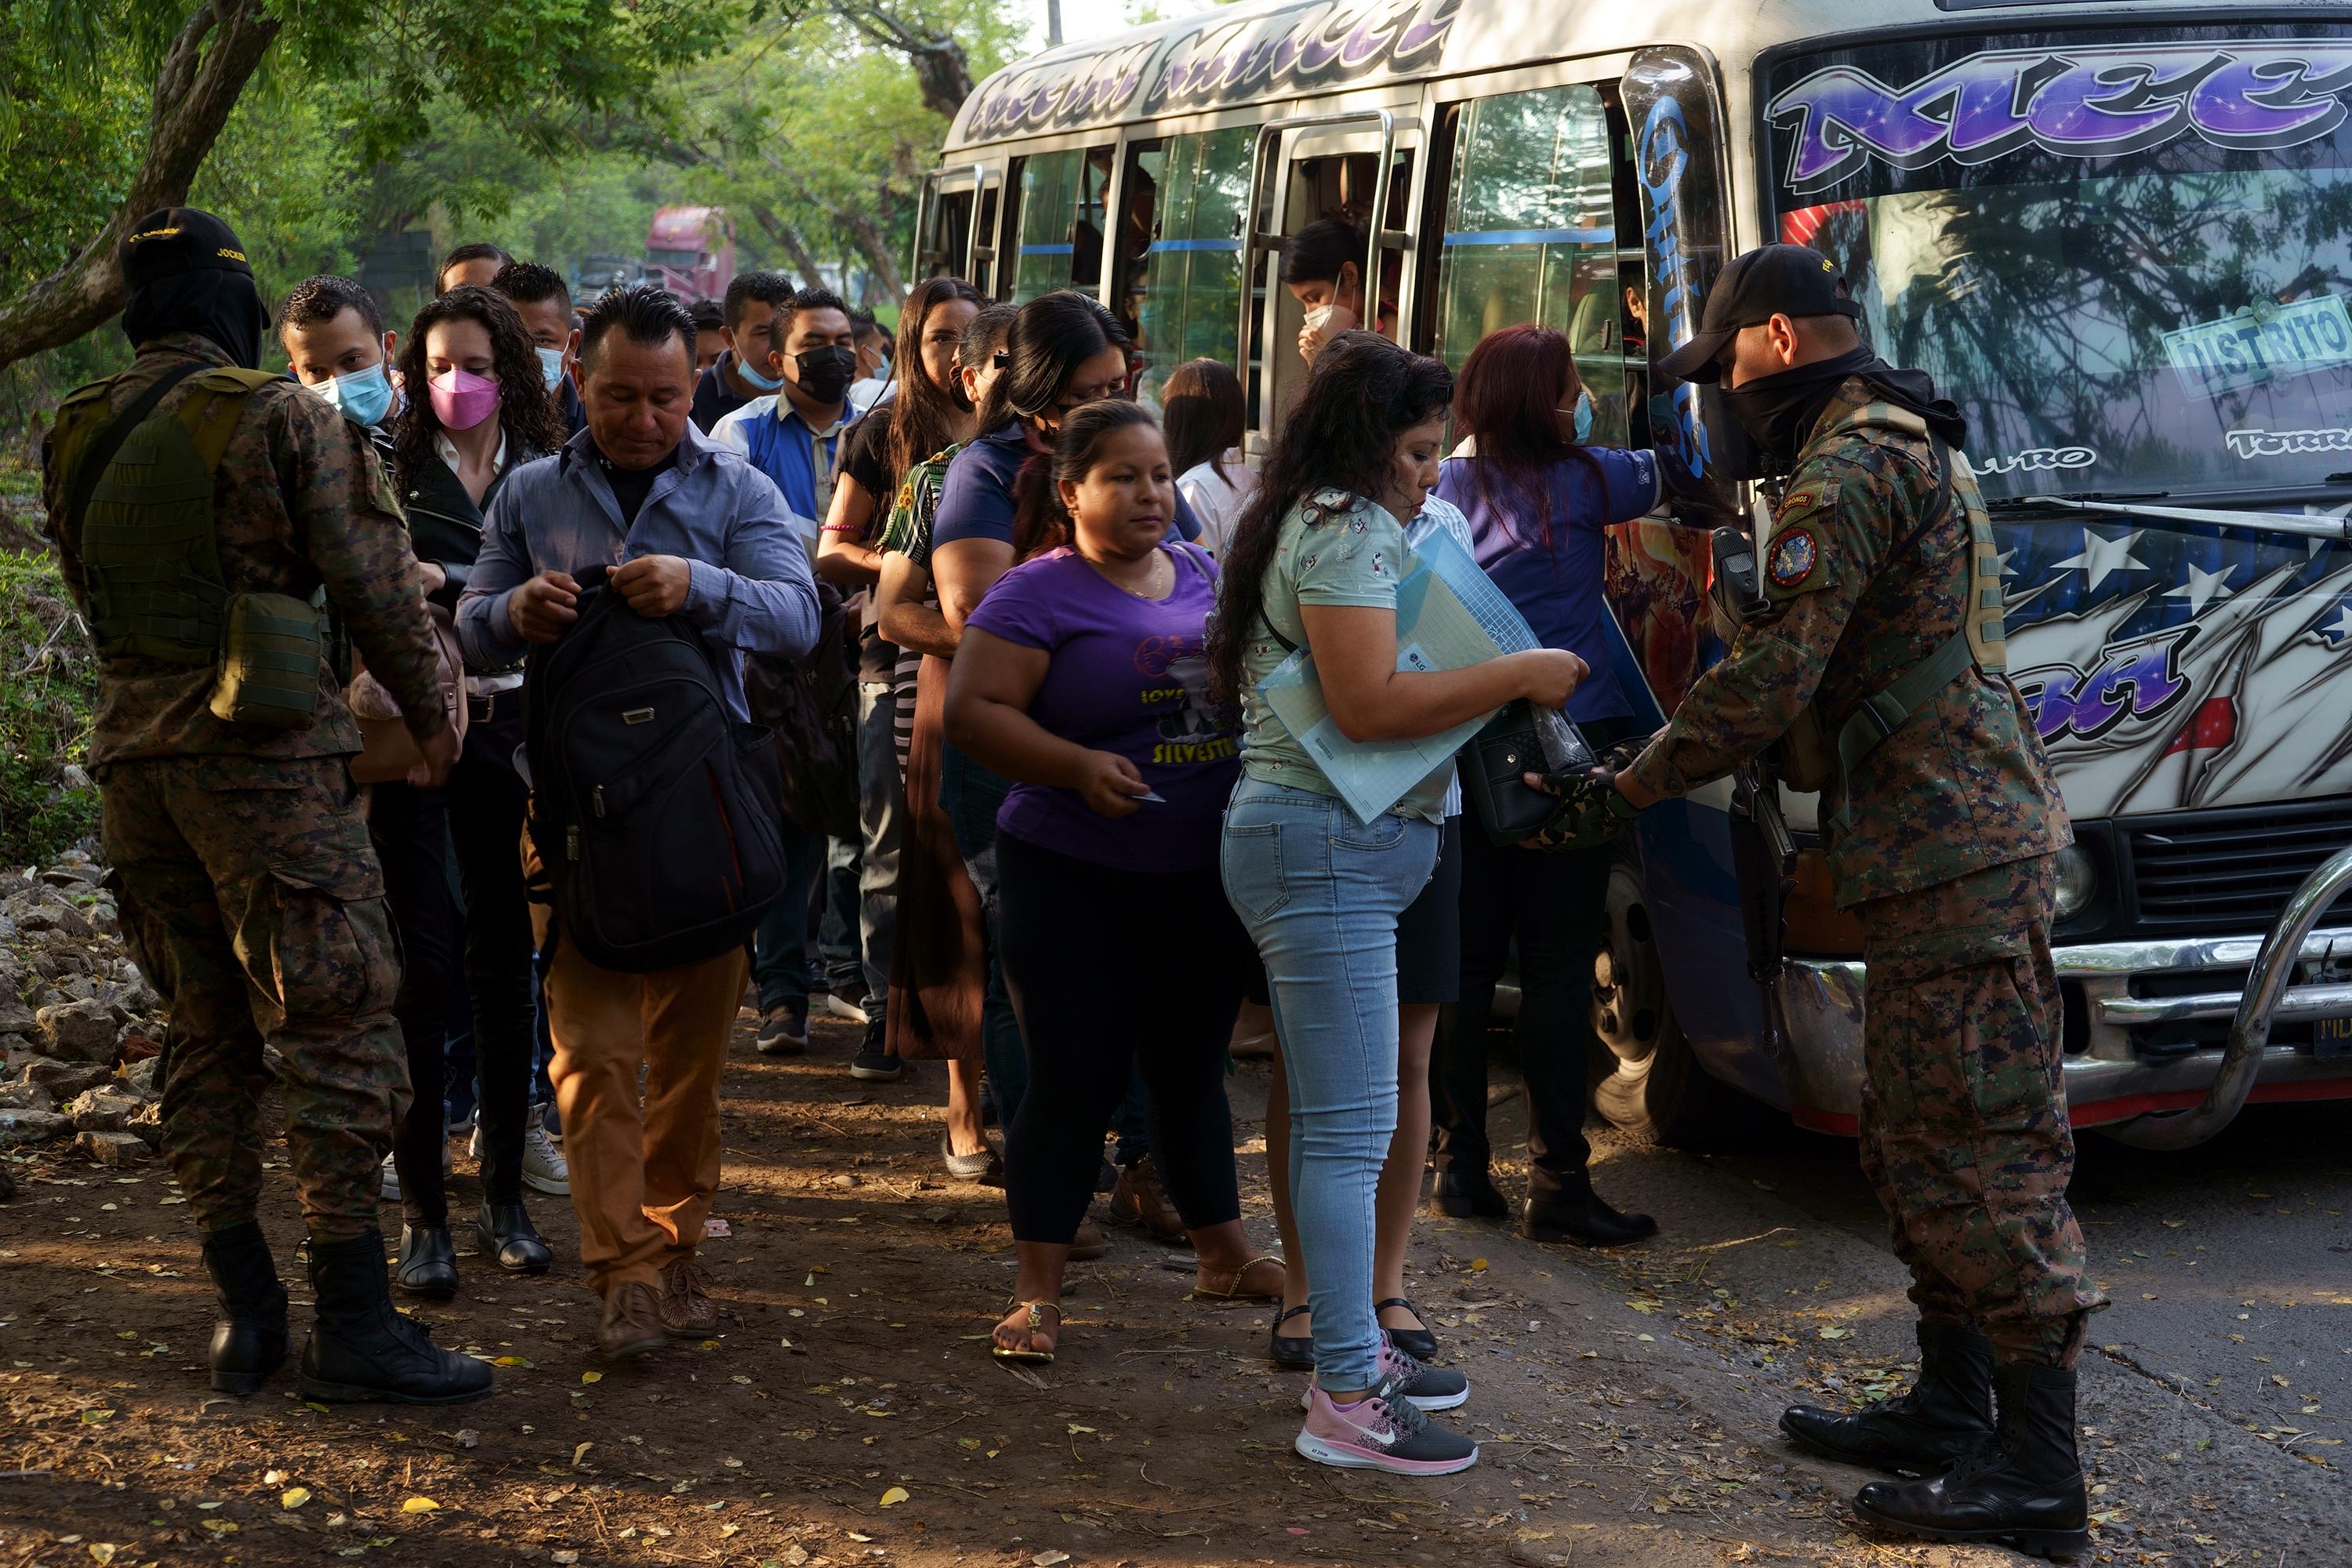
[849,1412]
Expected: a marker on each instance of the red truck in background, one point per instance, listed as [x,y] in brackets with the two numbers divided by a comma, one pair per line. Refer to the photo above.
[690,251]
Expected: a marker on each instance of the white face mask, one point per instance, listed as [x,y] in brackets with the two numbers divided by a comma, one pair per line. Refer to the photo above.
[1316,317]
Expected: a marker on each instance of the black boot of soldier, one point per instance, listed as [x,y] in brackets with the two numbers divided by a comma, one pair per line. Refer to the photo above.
[249,1342]
[1946,1416]
[360,1348]
[2025,1491]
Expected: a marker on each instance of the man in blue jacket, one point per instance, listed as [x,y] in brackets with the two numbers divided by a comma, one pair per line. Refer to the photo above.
[688,530]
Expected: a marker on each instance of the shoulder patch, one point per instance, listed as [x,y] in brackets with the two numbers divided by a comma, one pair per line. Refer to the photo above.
[1794,555]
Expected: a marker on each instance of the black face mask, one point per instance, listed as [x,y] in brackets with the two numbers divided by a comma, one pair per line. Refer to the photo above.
[825,374]
[1777,411]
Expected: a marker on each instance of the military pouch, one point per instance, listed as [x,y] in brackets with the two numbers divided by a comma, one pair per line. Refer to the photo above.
[271,645]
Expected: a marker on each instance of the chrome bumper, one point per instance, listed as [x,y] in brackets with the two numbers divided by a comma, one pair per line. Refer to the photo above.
[2107,1081]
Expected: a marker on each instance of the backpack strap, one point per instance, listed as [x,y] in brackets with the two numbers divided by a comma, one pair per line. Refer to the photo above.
[90,465]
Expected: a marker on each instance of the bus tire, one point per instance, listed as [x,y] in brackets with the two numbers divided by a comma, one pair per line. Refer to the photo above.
[1647,1082]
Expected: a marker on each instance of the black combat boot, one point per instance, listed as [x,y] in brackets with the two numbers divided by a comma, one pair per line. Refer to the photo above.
[1946,1416]
[2023,1491]
[249,1342]
[360,1348]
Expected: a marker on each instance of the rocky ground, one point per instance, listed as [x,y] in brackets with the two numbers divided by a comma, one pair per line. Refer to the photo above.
[848,1413]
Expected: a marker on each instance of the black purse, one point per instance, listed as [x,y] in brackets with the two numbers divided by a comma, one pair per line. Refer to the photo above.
[1491,766]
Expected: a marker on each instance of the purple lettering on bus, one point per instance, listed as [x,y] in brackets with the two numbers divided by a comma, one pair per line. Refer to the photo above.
[2139,682]
[2100,101]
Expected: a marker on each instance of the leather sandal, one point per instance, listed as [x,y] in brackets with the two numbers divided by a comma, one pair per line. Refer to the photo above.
[1291,1353]
[1419,1343]
[1036,1322]
[1234,1292]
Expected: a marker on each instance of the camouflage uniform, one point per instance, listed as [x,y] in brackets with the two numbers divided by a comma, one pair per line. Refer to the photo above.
[1942,841]
[250,897]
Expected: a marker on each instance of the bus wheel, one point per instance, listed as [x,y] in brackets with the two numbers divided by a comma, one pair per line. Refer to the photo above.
[1648,1083]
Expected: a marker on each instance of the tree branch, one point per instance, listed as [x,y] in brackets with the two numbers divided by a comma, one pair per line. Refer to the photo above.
[941,68]
[196,88]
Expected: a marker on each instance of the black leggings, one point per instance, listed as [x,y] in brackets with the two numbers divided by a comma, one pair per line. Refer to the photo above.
[486,805]
[410,828]
[1112,972]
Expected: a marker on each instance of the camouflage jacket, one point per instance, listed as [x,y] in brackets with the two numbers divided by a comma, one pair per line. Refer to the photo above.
[1963,785]
[301,500]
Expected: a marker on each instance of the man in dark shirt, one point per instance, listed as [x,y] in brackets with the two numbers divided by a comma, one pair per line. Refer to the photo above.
[741,372]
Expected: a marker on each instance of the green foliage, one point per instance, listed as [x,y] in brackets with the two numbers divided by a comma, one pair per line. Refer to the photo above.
[49,683]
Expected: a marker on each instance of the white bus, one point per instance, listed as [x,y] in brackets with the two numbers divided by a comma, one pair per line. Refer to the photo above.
[2119,235]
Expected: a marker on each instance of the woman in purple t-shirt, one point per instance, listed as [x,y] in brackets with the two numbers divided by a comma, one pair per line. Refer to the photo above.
[1083,676]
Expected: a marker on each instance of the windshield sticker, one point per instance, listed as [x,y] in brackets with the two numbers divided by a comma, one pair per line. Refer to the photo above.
[2251,444]
[2035,461]
[2094,102]
[2260,341]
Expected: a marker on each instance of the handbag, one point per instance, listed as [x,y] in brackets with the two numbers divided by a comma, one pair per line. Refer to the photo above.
[1491,766]
[387,750]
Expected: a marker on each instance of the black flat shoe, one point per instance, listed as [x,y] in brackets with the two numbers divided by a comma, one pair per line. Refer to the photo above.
[506,1234]
[1419,1343]
[1291,1353]
[428,1262]
[1469,1194]
[1583,1220]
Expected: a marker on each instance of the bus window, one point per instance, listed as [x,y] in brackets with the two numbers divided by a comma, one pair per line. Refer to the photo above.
[1188,300]
[1531,236]
[948,237]
[1138,210]
[1057,221]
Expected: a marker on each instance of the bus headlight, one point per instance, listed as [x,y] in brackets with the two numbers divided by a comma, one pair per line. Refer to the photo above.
[2078,883]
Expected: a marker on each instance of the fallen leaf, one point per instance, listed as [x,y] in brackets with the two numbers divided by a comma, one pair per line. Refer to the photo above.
[1047,1559]
[565,1557]
[1076,1427]
[577,1452]
[294,1496]
[794,1555]
[467,1438]
[511,1361]
[94,1417]
[592,1377]
[103,1551]
[895,1496]
[420,1505]
[271,1477]
[220,1526]
[1828,1333]
[1477,1265]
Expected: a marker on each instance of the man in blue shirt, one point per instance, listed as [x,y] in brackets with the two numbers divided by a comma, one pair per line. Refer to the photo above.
[791,436]
[688,530]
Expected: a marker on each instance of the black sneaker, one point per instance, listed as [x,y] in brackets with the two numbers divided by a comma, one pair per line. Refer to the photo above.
[783,1029]
[872,1064]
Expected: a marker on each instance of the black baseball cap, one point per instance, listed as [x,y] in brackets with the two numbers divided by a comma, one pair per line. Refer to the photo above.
[1770,281]
[171,240]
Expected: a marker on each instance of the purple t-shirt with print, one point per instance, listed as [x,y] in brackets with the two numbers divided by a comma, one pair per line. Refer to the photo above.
[1130,676]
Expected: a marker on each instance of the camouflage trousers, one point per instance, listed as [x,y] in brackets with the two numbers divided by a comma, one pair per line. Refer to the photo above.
[1964,1129]
[252,901]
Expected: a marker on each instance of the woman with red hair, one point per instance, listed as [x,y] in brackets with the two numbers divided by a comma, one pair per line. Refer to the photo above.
[1537,498]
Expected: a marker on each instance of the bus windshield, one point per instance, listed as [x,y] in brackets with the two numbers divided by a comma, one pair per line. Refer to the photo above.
[2128,260]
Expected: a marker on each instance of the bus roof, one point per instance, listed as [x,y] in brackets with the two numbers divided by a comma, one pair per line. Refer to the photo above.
[1272,50]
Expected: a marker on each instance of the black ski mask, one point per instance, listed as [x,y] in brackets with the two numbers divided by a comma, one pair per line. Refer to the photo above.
[185,272]
[1779,412]
[825,374]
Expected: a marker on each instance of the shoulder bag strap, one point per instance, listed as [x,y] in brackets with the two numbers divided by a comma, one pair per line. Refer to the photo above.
[101,452]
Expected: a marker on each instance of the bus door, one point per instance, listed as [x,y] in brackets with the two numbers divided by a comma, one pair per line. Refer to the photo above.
[986,241]
[1357,166]
[1060,214]
[1177,265]
[943,228]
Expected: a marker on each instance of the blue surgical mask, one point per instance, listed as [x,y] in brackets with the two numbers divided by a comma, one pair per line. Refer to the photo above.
[364,395]
[764,383]
[550,367]
[1580,416]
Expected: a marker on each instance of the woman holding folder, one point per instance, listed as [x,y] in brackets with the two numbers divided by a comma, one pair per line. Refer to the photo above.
[1314,563]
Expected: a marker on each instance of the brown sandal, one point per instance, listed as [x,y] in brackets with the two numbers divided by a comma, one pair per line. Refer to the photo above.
[1234,1292]
[1037,1324]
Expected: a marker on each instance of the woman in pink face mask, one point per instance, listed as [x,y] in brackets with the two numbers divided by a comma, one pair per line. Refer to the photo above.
[476,410]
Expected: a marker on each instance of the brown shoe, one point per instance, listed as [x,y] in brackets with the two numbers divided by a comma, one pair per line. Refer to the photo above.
[687,1312]
[633,1320]
[1139,1199]
[1088,1242]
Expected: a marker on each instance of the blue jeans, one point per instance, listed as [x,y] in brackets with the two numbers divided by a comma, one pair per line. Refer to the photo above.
[881,809]
[781,960]
[1320,893]
[840,949]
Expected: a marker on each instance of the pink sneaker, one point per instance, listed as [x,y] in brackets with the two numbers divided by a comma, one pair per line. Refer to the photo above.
[1382,1431]
[1420,1386]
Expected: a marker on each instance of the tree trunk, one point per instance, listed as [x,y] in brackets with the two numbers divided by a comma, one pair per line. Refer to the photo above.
[195,90]
[867,236]
[789,240]
[941,68]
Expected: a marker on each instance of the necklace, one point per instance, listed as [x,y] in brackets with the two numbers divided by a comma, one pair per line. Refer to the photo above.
[1151,577]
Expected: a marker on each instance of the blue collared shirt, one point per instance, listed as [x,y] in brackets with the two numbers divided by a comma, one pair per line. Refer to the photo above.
[748,588]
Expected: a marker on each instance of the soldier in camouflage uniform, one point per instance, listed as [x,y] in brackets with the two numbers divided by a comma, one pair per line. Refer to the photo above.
[250,897]
[1941,826]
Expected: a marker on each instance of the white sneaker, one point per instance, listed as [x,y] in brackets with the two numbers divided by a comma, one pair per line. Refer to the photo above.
[543,1164]
[841,1006]
[391,1189]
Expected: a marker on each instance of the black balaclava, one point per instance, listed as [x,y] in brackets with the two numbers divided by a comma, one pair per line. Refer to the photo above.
[1779,411]
[185,272]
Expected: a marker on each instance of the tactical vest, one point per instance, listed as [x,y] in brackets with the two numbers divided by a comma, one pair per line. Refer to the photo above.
[142,524]
[1807,757]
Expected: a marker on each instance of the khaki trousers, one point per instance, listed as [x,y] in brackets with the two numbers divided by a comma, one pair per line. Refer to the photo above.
[642,1173]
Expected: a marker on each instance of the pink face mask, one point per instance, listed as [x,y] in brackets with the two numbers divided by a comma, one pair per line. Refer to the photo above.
[462,400]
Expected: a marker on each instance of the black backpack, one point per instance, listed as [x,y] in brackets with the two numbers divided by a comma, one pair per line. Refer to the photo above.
[653,808]
[812,705]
